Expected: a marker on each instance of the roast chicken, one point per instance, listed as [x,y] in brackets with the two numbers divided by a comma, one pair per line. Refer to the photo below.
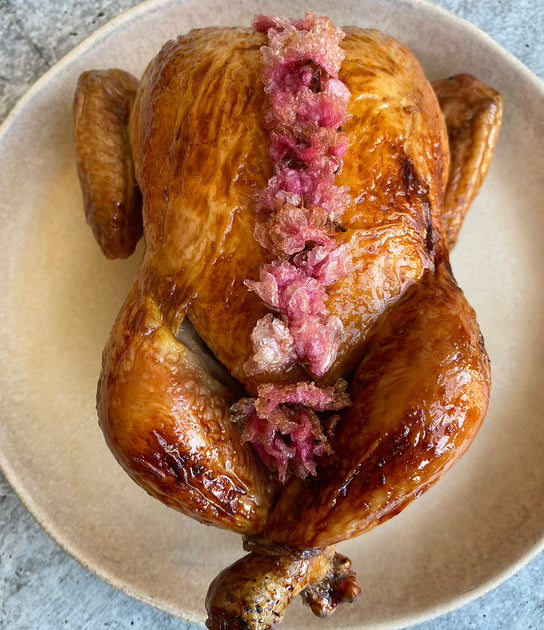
[179,156]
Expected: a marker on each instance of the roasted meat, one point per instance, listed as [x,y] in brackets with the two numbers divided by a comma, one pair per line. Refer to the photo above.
[192,137]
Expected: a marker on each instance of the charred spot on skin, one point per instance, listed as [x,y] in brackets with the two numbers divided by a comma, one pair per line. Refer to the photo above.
[197,469]
[409,173]
[175,464]
[172,460]
[429,235]
[417,190]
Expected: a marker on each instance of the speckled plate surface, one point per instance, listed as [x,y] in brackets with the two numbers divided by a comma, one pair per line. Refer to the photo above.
[60,297]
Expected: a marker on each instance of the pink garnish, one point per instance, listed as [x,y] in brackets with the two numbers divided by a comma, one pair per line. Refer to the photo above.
[273,346]
[283,427]
[298,217]
[301,207]
[311,39]
[285,287]
[290,228]
[325,265]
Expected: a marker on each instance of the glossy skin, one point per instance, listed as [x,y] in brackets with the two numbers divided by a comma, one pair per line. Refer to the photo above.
[199,212]
[418,398]
[166,420]
[113,204]
[421,382]
[324,578]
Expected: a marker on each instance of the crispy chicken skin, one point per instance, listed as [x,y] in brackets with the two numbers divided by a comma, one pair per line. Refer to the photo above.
[412,350]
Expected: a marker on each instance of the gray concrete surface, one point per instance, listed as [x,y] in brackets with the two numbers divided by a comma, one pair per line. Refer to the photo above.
[41,587]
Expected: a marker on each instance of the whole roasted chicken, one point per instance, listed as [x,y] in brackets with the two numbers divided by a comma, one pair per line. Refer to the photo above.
[295,361]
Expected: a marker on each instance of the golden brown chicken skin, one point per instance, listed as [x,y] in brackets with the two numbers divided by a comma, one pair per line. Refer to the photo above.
[113,205]
[411,349]
[473,115]
[419,396]
[214,140]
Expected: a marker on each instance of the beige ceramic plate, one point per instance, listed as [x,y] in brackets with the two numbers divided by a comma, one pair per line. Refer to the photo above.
[60,296]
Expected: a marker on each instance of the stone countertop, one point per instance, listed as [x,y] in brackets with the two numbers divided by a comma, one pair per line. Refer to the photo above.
[41,587]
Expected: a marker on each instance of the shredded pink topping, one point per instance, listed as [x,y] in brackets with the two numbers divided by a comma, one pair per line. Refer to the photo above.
[273,345]
[313,38]
[283,427]
[298,217]
[301,207]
